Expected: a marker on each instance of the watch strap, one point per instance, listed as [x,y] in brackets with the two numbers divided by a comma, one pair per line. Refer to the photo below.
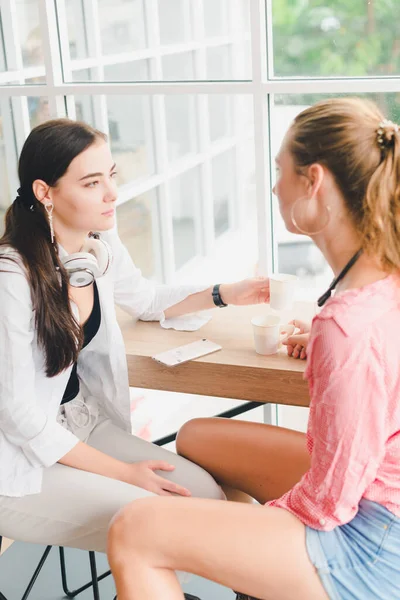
[217,296]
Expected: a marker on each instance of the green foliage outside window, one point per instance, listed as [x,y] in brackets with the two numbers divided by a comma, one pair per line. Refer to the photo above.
[338,38]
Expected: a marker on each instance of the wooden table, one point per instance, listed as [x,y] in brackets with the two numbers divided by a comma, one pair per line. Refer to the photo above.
[235,372]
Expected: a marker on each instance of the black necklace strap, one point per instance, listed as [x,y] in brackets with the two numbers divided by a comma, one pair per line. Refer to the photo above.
[321,301]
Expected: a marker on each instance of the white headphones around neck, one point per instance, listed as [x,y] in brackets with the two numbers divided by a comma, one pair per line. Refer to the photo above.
[93,261]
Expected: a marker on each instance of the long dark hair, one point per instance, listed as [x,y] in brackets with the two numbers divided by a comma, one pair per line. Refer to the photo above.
[46,155]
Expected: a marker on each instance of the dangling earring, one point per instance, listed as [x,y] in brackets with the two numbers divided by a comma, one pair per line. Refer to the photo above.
[49,209]
[296,220]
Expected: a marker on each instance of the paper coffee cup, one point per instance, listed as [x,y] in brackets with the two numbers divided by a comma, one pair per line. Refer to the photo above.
[282,290]
[269,333]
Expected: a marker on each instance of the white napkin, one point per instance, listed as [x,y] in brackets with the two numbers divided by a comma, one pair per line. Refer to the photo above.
[191,322]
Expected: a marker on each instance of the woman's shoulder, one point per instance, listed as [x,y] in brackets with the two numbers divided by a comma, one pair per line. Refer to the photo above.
[15,292]
[14,280]
[360,309]
[11,261]
[355,325]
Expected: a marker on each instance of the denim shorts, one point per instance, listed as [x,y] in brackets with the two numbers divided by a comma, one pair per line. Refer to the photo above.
[361,559]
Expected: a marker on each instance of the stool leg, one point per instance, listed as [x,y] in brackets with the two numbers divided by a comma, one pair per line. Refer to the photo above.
[93,570]
[36,573]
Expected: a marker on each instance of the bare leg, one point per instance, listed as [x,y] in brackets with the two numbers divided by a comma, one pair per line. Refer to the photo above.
[261,460]
[258,550]
[236,495]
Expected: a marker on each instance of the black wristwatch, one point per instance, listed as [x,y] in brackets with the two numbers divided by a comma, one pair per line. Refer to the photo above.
[217,296]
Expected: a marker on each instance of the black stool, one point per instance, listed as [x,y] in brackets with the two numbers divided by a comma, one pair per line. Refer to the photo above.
[69,593]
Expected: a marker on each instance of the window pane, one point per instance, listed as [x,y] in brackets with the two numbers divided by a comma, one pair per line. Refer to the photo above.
[177,67]
[219,105]
[355,38]
[6,196]
[3,66]
[39,110]
[186,216]
[216,18]
[40,80]
[180,119]
[82,75]
[222,167]
[138,229]
[30,33]
[130,130]
[220,115]
[173,21]
[77,29]
[219,62]
[128,26]
[225,201]
[84,107]
[137,70]
[122,25]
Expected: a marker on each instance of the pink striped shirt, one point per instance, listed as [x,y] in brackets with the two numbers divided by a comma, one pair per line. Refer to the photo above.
[353,436]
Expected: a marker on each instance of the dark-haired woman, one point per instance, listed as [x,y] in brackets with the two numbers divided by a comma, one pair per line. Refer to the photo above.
[67,458]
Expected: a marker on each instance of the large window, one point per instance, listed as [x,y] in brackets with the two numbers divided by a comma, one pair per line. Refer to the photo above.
[195,98]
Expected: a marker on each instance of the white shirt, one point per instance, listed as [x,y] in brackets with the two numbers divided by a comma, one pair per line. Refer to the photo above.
[30,437]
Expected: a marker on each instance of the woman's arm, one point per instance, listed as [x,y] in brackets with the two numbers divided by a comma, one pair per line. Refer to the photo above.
[22,420]
[84,457]
[248,291]
[142,474]
[145,300]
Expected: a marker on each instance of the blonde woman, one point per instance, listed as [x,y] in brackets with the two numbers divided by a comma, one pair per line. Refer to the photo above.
[329,521]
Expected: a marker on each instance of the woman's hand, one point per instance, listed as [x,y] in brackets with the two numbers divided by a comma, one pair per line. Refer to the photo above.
[297,343]
[142,474]
[247,291]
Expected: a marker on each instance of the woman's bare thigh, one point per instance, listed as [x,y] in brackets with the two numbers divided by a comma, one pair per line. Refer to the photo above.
[262,460]
[254,549]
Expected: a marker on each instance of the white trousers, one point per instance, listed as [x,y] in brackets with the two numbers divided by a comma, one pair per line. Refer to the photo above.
[75,507]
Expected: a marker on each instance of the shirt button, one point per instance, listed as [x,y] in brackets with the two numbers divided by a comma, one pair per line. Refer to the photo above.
[322,522]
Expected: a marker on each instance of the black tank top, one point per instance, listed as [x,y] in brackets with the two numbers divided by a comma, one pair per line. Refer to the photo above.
[90,328]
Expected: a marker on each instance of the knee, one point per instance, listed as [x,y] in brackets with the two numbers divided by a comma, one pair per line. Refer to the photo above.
[191,437]
[129,532]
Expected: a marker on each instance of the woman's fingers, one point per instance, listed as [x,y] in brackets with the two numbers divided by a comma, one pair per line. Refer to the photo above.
[161,492]
[159,465]
[297,339]
[172,488]
[297,350]
[302,325]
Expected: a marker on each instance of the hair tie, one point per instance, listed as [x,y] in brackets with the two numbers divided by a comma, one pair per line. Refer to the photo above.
[25,198]
[385,133]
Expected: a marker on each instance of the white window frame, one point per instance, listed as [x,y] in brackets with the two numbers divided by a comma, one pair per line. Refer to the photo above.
[260,89]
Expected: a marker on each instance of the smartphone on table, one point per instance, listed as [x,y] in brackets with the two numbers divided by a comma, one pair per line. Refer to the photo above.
[182,354]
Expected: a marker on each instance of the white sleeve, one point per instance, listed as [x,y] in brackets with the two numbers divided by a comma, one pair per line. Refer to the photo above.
[22,421]
[141,298]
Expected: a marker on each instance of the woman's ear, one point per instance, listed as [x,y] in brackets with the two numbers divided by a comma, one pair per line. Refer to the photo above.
[41,190]
[315,178]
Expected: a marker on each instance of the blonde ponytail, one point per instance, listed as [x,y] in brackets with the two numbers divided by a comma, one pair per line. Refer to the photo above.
[381,220]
